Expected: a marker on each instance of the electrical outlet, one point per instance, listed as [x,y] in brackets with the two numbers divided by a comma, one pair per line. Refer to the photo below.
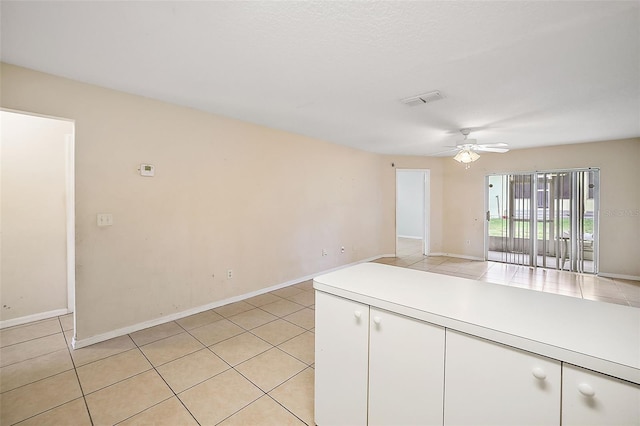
[324,252]
[341,249]
[229,274]
[105,219]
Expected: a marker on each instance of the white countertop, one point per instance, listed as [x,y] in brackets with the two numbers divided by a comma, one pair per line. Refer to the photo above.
[600,336]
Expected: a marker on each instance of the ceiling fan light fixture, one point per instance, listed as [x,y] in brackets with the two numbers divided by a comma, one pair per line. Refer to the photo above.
[466,156]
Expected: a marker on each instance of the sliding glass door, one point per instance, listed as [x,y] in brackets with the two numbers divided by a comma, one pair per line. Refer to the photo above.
[544,219]
[510,218]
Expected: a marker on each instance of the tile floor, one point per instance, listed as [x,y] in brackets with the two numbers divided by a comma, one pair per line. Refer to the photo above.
[247,363]
[586,286]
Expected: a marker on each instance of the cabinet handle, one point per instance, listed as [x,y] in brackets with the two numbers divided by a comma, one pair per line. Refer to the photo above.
[377,320]
[539,373]
[357,314]
[586,390]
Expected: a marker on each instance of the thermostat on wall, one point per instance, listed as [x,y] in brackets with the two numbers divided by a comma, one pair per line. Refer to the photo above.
[147,170]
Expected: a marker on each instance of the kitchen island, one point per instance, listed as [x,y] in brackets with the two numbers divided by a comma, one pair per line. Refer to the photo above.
[400,346]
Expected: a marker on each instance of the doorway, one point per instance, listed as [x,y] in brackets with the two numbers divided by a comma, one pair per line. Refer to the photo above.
[544,219]
[37,217]
[412,212]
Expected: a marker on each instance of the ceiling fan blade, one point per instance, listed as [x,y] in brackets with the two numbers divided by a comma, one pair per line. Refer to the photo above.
[488,149]
[493,145]
[443,153]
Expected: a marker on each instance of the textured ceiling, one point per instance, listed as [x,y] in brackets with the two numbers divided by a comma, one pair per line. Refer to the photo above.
[528,73]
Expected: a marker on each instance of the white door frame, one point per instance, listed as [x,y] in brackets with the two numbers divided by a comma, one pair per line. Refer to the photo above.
[71,224]
[71,218]
[425,208]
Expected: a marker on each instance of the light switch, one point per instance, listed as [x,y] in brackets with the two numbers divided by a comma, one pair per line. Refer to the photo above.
[105,219]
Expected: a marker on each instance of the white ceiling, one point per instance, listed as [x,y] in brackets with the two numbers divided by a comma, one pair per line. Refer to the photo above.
[528,73]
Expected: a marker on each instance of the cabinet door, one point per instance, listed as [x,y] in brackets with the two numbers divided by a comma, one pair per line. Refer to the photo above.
[590,398]
[341,361]
[487,383]
[406,370]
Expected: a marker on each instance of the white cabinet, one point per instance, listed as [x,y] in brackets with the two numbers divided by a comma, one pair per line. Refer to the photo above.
[406,370]
[375,367]
[397,346]
[590,398]
[492,384]
[341,355]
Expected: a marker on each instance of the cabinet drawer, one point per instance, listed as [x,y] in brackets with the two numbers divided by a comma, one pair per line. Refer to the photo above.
[590,398]
[492,384]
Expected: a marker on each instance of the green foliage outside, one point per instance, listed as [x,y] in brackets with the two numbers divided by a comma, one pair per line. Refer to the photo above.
[500,227]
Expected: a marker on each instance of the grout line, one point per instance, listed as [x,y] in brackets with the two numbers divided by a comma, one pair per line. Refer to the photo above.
[285,408]
[231,367]
[272,346]
[282,405]
[53,408]
[29,340]
[244,406]
[264,393]
[155,405]
[118,381]
[34,357]
[75,370]
[164,380]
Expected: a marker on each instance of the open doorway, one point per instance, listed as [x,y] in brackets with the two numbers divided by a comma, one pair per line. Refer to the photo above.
[412,212]
[37,218]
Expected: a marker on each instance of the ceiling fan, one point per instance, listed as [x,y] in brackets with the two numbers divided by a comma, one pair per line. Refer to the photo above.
[468,149]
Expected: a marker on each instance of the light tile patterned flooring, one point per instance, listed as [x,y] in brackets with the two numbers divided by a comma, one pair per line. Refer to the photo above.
[247,363]
[586,286]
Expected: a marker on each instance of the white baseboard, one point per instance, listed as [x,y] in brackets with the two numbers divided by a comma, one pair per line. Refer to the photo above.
[410,237]
[621,276]
[382,255]
[31,318]
[459,256]
[77,344]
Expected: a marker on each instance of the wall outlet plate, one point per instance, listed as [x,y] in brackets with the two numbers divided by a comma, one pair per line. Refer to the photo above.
[105,219]
[148,170]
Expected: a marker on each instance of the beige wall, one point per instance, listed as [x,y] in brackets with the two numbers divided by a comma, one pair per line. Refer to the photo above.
[33,228]
[233,195]
[226,195]
[619,197]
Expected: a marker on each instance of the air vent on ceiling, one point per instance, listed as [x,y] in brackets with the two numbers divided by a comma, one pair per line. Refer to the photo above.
[423,99]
